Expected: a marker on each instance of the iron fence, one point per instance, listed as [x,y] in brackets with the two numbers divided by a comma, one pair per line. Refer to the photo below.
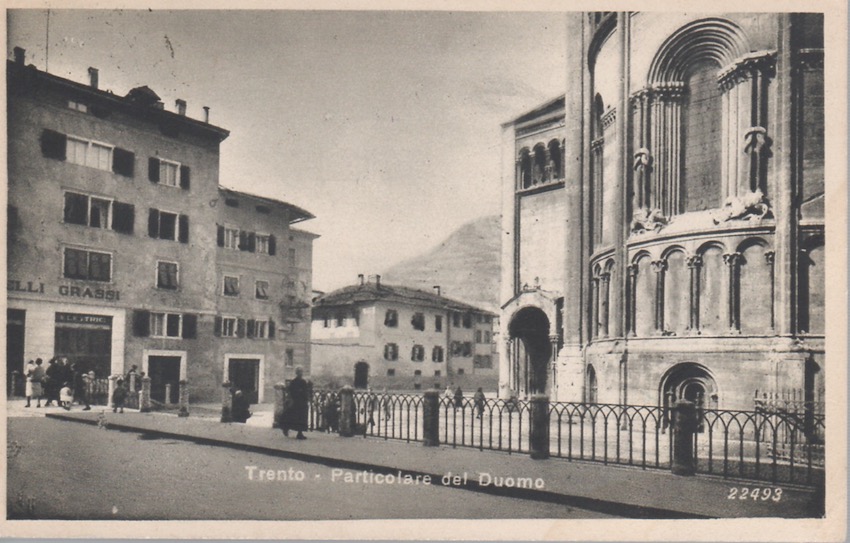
[771,446]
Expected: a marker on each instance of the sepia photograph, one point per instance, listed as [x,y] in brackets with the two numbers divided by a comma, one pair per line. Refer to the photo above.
[434,269]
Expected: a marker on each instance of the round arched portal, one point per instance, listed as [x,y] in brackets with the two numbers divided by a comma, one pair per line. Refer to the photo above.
[532,351]
[689,381]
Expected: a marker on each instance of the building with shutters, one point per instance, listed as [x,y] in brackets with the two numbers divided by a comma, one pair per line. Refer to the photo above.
[664,218]
[376,335]
[124,250]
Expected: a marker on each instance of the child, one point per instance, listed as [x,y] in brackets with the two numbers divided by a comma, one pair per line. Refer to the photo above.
[119,396]
[66,396]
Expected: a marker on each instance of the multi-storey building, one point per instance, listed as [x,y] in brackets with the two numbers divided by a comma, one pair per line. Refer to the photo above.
[379,335]
[114,255]
[665,218]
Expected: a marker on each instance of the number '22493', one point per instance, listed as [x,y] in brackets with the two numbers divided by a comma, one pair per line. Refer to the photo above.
[763,494]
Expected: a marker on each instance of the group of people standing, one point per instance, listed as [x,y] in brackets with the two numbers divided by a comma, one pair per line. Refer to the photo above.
[58,382]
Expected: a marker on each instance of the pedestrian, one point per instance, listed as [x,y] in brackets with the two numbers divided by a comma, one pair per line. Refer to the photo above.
[119,396]
[29,370]
[450,392]
[52,381]
[371,401]
[66,396]
[478,398]
[296,410]
[331,411]
[240,411]
[81,395]
[386,401]
[458,398]
[38,376]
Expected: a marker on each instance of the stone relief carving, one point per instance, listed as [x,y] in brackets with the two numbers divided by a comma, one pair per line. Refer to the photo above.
[752,205]
[646,219]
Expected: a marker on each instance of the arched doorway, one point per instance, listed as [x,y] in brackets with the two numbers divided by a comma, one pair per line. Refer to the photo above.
[361,374]
[689,381]
[592,386]
[532,352]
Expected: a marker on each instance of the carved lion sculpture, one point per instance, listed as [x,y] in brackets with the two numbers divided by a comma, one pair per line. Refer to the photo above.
[752,205]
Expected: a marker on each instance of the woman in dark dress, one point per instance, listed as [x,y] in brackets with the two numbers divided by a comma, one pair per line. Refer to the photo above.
[296,410]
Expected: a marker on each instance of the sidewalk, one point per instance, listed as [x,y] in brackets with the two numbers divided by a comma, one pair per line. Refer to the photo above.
[628,492]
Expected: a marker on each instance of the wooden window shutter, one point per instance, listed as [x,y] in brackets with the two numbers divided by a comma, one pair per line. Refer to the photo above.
[123,217]
[76,208]
[243,240]
[53,144]
[272,245]
[184,177]
[153,169]
[220,235]
[250,328]
[271,328]
[153,223]
[240,327]
[252,242]
[123,162]
[141,323]
[183,229]
[190,326]
[217,327]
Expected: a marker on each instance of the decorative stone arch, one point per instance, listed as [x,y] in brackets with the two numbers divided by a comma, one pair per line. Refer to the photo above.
[689,381]
[532,336]
[555,164]
[361,374]
[539,160]
[673,291]
[524,168]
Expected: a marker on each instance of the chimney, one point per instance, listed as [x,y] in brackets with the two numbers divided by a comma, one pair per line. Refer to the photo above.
[436,289]
[206,114]
[93,80]
[361,278]
[377,280]
[20,55]
[160,105]
[181,107]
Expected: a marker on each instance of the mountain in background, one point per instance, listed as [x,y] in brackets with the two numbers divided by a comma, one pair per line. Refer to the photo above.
[466,265]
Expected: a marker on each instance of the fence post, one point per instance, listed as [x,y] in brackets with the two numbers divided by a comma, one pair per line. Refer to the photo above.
[279,402]
[13,382]
[111,389]
[167,393]
[183,395]
[145,395]
[347,411]
[684,428]
[431,418]
[538,439]
[226,403]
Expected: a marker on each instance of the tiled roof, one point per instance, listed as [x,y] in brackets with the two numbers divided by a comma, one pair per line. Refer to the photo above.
[373,292]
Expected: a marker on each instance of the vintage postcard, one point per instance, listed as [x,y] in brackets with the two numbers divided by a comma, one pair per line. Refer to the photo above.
[426,271]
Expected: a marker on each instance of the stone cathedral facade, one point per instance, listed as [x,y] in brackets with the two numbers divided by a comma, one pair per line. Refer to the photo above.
[663,221]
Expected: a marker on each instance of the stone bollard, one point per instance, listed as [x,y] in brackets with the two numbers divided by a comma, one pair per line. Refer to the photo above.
[431,418]
[347,411]
[539,435]
[109,395]
[167,393]
[183,394]
[145,395]
[279,402]
[684,427]
[132,383]
[226,403]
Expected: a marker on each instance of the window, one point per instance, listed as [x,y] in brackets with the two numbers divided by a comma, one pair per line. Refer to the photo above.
[391,372]
[482,361]
[98,212]
[460,371]
[457,348]
[89,153]
[289,361]
[437,373]
[456,320]
[168,173]
[391,318]
[262,244]
[85,264]
[418,321]
[169,226]
[327,321]
[231,285]
[390,351]
[478,336]
[467,348]
[258,328]
[229,326]
[467,320]
[417,354]
[261,290]
[438,323]
[166,275]
[486,337]
[166,325]
[78,106]
[437,354]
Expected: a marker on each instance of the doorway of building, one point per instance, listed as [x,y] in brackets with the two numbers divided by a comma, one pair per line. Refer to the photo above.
[15,327]
[164,370]
[361,375]
[244,374]
[529,329]
[86,340]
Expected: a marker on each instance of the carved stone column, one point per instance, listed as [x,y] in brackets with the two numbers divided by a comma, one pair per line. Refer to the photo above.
[642,159]
[594,306]
[554,340]
[631,317]
[666,140]
[604,295]
[694,264]
[659,267]
[769,259]
[733,262]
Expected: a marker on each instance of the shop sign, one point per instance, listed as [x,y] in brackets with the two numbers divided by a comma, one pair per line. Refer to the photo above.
[20,286]
[86,292]
[80,318]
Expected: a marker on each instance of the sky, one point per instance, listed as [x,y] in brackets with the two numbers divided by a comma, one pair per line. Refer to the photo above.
[385,125]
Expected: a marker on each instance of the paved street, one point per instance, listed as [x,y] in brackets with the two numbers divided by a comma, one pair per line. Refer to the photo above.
[61,470]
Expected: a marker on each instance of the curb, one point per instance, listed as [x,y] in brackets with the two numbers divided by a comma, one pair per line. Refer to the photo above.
[582,502]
